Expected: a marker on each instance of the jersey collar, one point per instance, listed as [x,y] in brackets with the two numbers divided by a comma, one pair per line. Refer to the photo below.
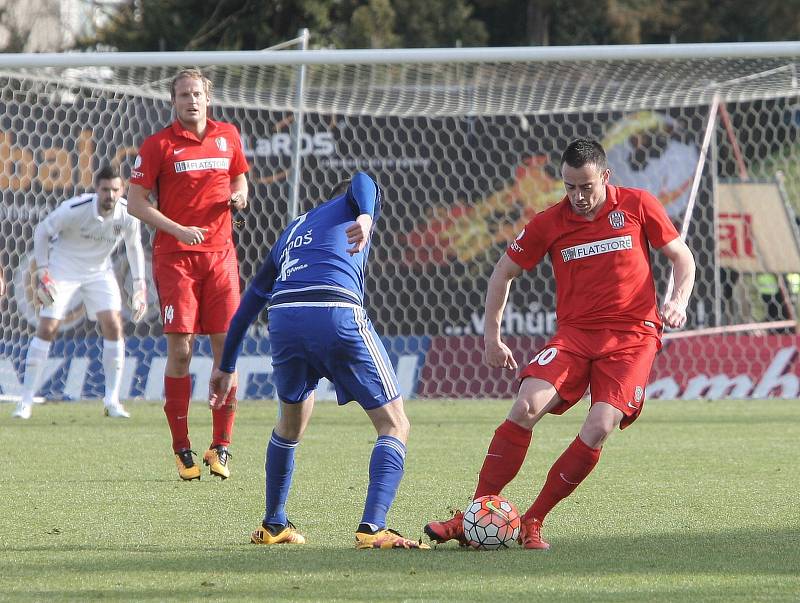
[179,130]
[612,200]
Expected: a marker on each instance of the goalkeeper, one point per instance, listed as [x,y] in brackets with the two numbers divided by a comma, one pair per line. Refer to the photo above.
[313,281]
[72,247]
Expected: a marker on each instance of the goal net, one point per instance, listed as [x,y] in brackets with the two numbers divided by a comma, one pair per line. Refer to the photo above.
[466,145]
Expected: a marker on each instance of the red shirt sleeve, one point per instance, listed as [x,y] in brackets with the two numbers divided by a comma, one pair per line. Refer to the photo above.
[531,245]
[238,161]
[657,226]
[147,166]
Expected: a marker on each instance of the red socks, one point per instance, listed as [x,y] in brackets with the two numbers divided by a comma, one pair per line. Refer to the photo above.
[504,458]
[222,421]
[177,391]
[571,468]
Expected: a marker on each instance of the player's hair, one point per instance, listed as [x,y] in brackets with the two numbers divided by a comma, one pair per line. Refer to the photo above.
[107,171]
[194,74]
[583,151]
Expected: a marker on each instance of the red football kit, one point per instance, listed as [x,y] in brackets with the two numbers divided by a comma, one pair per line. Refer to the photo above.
[608,322]
[198,285]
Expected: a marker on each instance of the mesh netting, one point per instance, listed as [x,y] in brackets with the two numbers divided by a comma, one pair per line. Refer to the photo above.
[466,153]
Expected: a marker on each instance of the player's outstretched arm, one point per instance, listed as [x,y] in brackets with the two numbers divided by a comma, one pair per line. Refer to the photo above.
[673,312]
[496,353]
[253,301]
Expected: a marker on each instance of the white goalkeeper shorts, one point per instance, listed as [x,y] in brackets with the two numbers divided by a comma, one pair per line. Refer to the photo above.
[98,292]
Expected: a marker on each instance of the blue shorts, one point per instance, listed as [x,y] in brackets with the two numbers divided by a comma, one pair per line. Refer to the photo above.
[338,343]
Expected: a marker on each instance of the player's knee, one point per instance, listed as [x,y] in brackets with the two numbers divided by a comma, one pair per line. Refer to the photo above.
[46,332]
[526,412]
[594,436]
[595,430]
[179,358]
[112,328]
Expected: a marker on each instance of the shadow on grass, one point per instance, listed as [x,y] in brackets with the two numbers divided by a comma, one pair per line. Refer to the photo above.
[662,566]
[727,552]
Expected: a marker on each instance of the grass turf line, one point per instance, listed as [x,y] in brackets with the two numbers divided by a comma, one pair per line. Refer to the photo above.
[697,501]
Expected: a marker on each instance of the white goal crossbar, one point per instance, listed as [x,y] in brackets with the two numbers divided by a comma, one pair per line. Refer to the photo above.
[630,52]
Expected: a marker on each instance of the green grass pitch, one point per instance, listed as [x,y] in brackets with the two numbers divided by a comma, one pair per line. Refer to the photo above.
[697,501]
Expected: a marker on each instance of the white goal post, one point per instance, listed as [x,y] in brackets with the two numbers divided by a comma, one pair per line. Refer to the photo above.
[466,144]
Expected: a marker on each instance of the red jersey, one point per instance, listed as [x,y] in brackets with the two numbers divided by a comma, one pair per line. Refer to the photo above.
[192,180]
[602,267]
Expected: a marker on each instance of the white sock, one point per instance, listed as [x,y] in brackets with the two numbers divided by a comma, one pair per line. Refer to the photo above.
[113,361]
[38,350]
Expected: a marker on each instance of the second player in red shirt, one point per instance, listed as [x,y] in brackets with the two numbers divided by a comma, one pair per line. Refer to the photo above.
[196,169]
[599,239]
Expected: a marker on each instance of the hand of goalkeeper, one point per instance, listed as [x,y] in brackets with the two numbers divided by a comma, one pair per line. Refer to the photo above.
[46,288]
[138,300]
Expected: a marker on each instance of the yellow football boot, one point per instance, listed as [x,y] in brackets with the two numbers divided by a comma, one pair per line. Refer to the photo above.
[186,467]
[387,539]
[288,535]
[216,458]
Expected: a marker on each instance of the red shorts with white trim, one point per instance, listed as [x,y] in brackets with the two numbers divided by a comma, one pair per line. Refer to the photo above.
[198,292]
[614,365]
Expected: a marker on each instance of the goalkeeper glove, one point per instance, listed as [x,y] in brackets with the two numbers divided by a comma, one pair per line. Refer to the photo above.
[138,300]
[46,288]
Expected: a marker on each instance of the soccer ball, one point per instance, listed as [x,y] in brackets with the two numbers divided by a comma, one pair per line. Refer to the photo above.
[491,522]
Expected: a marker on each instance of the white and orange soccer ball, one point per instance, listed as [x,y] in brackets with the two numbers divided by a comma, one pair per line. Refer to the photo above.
[491,522]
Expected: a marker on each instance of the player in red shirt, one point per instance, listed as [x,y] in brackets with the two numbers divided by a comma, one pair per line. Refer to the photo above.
[598,239]
[196,168]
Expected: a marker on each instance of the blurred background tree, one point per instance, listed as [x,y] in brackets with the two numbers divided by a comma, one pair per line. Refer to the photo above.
[141,25]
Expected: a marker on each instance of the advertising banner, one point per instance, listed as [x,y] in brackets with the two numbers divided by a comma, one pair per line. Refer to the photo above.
[709,367]
[755,233]
[74,370]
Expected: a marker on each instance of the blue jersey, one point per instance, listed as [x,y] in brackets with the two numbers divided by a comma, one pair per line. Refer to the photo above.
[310,259]
[309,264]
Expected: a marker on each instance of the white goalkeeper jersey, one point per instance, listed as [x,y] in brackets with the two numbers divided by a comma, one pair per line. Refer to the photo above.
[75,242]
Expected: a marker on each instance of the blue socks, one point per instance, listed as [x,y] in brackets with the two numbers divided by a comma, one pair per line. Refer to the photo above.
[279,467]
[385,473]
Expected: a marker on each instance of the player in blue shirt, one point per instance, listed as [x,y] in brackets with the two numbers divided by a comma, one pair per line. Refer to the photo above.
[313,281]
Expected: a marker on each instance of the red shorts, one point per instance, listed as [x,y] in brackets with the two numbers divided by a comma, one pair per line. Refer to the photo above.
[198,292]
[615,365]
